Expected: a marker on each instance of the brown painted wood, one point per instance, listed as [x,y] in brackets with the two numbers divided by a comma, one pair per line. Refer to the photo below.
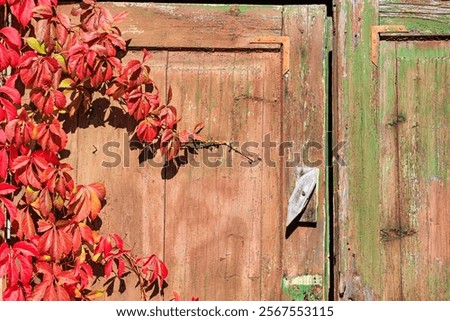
[272,228]
[196,26]
[414,162]
[213,219]
[303,124]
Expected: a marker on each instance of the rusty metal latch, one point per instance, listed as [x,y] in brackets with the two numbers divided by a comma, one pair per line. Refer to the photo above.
[375,33]
[285,42]
[305,185]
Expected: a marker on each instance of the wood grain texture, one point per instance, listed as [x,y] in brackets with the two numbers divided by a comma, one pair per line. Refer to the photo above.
[196,25]
[389,209]
[272,195]
[357,196]
[414,163]
[424,164]
[390,278]
[304,128]
[419,16]
[213,228]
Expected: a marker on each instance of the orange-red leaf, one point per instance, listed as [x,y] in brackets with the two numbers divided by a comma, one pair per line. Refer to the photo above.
[86,201]
[55,242]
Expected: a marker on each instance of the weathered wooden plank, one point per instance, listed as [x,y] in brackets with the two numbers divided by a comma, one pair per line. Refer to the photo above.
[419,16]
[424,159]
[195,25]
[153,188]
[272,215]
[213,228]
[103,154]
[243,265]
[390,277]
[355,106]
[304,128]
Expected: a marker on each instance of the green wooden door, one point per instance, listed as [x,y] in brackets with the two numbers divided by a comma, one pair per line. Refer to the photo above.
[414,128]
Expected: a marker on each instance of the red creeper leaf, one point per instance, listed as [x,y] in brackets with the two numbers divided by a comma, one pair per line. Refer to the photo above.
[86,201]
[55,242]
[148,129]
[22,10]
[51,136]
[154,269]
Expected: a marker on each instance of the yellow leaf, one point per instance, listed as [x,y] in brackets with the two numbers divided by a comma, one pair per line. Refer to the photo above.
[60,59]
[35,45]
[96,257]
[46,258]
[95,295]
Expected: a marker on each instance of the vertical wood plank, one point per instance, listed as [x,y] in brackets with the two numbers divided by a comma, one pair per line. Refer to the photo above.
[304,124]
[390,278]
[423,101]
[103,154]
[355,104]
[251,73]
[153,188]
[272,228]
[213,228]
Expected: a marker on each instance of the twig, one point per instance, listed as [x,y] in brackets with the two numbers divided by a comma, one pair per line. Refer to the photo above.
[197,144]
[135,269]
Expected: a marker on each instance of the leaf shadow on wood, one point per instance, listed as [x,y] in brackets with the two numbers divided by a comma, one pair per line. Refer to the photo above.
[101,114]
[110,284]
[65,153]
[171,168]
[155,290]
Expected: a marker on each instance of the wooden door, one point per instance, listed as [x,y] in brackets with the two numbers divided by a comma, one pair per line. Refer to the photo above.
[415,168]
[218,223]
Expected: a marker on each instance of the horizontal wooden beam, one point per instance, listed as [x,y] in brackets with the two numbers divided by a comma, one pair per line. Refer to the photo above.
[156,25]
[420,16]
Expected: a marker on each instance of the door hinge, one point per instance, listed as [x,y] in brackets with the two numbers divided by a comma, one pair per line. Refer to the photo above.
[285,43]
[375,33]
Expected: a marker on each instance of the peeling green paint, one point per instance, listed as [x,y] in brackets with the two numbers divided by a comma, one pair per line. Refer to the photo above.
[304,287]
[427,108]
[423,26]
[436,287]
[364,146]
[198,96]
[248,89]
